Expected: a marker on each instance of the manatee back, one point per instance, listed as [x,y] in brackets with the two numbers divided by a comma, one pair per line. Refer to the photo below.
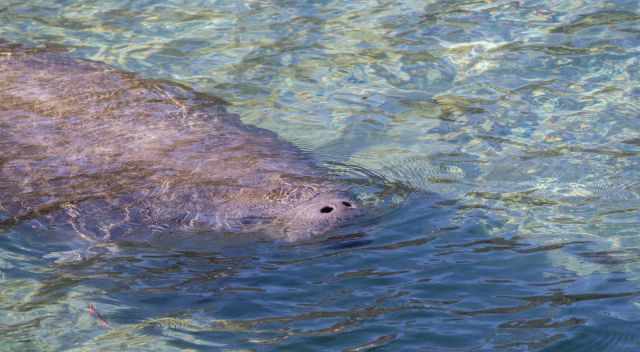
[92,142]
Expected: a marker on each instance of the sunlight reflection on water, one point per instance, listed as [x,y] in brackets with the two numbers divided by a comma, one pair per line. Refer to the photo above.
[512,126]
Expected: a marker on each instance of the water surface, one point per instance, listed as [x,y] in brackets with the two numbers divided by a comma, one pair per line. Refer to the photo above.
[505,131]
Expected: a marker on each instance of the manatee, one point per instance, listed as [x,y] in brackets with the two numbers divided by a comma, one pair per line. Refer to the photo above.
[113,156]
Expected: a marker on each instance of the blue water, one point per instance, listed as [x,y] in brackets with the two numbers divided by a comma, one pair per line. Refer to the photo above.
[506,133]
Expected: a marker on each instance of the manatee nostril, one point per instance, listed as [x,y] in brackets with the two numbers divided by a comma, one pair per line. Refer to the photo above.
[326,210]
[346,204]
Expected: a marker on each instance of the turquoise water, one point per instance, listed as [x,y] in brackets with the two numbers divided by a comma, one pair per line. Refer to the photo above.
[507,133]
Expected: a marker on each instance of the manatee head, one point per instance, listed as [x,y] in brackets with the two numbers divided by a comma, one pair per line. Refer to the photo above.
[286,207]
[318,215]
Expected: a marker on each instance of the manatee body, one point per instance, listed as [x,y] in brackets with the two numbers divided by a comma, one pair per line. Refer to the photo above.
[116,157]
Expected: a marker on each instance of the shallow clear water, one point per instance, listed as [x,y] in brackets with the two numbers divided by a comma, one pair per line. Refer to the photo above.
[509,131]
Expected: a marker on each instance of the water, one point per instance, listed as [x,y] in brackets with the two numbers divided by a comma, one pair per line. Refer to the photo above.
[507,132]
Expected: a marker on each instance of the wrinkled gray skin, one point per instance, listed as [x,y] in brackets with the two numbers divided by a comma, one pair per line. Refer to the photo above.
[116,157]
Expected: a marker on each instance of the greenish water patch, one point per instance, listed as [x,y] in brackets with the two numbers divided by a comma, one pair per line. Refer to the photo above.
[507,131]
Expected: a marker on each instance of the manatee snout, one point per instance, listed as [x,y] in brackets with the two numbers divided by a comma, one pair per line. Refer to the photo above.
[320,215]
